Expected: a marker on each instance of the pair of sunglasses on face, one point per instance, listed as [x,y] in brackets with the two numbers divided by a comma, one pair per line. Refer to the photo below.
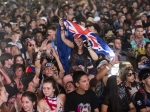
[29,45]
[130,74]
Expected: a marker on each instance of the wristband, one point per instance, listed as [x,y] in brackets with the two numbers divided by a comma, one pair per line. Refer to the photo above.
[89,47]
[107,68]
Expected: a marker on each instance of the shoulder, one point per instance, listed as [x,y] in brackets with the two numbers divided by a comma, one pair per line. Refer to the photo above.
[61,96]
[41,102]
[72,93]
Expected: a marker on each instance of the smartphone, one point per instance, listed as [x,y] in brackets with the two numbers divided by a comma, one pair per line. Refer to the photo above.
[122,58]
[85,42]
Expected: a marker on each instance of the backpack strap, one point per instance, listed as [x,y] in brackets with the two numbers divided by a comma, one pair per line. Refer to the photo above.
[141,90]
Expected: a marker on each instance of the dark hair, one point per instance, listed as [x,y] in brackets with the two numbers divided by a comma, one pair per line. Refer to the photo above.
[147,43]
[5,57]
[54,84]
[113,93]
[16,66]
[15,58]
[52,27]
[44,26]
[138,26]
[32,97]
[127,36]
[143,72]
[8,25]
[138,59]
[77,75]
[23,29]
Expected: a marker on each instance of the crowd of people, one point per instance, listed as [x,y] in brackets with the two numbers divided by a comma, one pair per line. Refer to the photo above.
[33,77]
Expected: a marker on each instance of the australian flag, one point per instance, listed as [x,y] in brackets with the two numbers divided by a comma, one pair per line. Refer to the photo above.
[73,30]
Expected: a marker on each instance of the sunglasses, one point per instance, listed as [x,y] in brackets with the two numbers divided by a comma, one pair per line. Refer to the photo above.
[29,45]
[130,74]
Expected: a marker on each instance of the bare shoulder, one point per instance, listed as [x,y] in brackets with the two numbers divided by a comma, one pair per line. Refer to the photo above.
[41,105]
[41,102]
[62,97]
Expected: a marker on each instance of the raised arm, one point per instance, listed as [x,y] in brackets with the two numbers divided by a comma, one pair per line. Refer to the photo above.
[62,71]
[7,80]
[63,37]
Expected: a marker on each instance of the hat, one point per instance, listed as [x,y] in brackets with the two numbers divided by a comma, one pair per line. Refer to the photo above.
[90,19]
[44,18]
[96,19]
[144,73]
[30,69]
[100,62]
[49,64]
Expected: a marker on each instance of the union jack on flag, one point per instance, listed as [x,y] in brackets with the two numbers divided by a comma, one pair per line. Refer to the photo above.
[97,44]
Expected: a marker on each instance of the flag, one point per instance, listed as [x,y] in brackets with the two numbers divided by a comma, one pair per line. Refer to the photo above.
[97,44]
[74,30]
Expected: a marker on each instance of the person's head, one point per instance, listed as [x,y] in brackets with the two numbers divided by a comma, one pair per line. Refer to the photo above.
[32,23]
[69,87]
[121,18]
[50,87]
[42,28]
[139,31]
[140,59]
[51,31]
[15,50]
[43,20]
[117,43]
[144,76]
[101,64]
[19,69]
[39,36]
[8,28]
[147,7]
[124,65]
[138,21]
[147,48]
[134,5]
[29,101]
[7,59]
[50,69]
[18,59]
[119,32]
[129,37]
[3,94]
[127,74]
[78,41]
[81,80]
[27,18]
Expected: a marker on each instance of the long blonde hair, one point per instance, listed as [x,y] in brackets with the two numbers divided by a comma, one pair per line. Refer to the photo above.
[3,107]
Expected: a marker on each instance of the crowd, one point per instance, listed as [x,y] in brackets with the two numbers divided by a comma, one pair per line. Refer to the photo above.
[33,77]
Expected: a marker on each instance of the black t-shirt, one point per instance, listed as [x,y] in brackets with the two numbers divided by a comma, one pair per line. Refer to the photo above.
[81,103]
[140,100]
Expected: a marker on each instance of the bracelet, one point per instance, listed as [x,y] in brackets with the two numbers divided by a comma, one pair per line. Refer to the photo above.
[89,47]
[107,68]
[111,64]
